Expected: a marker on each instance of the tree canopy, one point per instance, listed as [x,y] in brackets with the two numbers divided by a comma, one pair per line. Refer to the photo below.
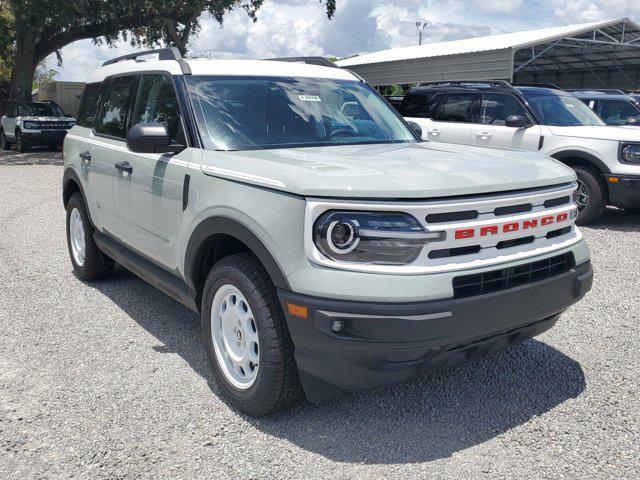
[44,27]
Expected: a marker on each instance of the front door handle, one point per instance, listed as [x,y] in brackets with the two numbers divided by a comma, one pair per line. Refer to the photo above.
[434,131]
[484,135]
[86,156]
[124,167]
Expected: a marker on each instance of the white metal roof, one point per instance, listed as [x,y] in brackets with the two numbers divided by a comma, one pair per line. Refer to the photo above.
[224,67]
[503,41]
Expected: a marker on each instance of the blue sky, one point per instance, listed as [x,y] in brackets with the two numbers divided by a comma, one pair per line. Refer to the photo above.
[299,27]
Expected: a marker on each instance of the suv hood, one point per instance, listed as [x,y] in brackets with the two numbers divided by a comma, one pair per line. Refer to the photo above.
[414,170]
[605,132]
[34,118]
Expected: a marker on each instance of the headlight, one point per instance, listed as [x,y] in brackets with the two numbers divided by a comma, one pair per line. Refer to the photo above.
[630,153]
[30,125]
[378,238]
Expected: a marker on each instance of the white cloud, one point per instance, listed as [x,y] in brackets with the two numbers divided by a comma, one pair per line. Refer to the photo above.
[300,27]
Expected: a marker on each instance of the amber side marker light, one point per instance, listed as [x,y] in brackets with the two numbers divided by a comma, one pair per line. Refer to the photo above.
[297,310]
[614,179]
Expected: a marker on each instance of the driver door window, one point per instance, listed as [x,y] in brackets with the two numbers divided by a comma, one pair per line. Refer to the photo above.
[496,107]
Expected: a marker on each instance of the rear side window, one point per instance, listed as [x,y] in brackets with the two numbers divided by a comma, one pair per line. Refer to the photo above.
[419,104]
[496,107]
[456,107]
[157,102]
[113,117]
[89,105]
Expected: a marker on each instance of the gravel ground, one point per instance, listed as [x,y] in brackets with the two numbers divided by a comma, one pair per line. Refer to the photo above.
[109,380]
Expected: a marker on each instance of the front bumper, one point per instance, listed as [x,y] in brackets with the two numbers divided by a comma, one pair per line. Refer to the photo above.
[385,343]
[44,137]
[624,191]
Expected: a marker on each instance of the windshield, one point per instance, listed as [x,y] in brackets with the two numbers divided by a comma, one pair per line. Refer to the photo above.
[242,113]
[563,111]
[39,110]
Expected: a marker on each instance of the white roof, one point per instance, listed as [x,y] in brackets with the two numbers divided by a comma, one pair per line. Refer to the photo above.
[224,67]
[503,41]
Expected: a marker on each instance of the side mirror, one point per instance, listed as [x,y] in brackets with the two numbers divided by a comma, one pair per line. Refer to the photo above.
[516,121]
[415,127]
[151,138]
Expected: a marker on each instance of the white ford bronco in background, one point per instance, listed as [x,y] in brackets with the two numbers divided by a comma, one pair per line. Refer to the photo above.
[34,124]
[324,245]
[546,120]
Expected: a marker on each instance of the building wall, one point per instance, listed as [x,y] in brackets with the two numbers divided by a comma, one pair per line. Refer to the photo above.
[490,65]
[65,94]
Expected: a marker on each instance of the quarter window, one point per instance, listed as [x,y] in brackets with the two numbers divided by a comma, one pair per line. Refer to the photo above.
[157,102]
[496,107]
[456,107]
[89,105]
[113,117]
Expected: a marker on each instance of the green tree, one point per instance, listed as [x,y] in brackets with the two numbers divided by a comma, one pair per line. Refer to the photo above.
[44,27]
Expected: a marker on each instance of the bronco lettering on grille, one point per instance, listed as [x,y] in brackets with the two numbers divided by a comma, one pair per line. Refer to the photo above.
[510,227]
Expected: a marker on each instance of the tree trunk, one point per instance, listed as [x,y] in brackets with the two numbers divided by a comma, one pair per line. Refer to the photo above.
[24,65]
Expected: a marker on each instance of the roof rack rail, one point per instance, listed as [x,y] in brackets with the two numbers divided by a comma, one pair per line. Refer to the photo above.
[169,53]
[610,91]
[320,61]
[540,85]
[462,83]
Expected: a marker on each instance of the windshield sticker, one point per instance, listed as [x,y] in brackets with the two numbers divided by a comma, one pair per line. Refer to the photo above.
[309,98]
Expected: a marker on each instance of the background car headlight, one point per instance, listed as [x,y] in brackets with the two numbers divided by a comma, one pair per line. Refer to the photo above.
[379,238]
[630,153]
[30,125]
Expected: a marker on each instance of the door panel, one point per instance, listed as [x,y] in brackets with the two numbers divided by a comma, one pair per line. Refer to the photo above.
[149,197]
[491,131]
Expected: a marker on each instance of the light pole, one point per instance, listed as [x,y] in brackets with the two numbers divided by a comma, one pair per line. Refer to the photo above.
[421,26]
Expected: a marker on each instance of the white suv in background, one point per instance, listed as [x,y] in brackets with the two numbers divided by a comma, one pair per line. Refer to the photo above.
[551,121]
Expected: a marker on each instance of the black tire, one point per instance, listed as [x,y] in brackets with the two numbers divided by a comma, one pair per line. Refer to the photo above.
[96,264]
[633,211]
[53,148]
[21,144]
[597,196]
[277,384]
[4,142]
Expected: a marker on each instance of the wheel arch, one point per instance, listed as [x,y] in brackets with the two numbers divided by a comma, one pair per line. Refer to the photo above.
[71,184]
[576,157]
[217,237]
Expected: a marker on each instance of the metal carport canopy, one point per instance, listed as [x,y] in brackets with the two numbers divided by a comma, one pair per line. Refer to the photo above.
[588,55]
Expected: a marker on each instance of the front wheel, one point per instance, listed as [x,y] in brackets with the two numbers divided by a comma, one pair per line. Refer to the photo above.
[89,263]
[21,144]
[4,142]
[590,196]
[246,337]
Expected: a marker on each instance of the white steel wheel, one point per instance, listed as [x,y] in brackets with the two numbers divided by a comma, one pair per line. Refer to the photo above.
[77,237]
[235,337]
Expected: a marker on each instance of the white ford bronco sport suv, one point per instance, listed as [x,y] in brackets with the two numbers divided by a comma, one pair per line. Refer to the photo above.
[323,244]
[34,124]
[546,120]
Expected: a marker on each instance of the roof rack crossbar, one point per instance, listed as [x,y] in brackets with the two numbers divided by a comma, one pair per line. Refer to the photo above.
[498,83]
[320,61]
[170,53]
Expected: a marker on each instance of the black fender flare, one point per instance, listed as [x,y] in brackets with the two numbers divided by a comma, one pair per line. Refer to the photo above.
[587,157]
[196,248]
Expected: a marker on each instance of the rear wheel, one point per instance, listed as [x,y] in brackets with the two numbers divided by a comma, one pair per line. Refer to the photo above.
[590,196]
[21,144]
[246,337]
[4,142]
[89,263]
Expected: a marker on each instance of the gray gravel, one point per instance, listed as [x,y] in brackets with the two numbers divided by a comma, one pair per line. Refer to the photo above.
[109,380]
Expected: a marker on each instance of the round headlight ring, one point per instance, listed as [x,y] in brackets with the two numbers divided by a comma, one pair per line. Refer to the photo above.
[342,237]
[631,153]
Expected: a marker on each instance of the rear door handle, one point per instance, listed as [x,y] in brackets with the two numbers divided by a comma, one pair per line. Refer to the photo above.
[86,156]
[124,167]
[484,135]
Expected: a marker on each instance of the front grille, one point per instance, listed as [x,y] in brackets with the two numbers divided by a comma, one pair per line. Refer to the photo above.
[511,277]
[53,126]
